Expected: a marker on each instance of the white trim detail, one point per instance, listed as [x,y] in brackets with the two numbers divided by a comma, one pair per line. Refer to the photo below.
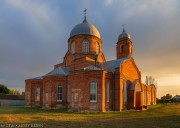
[59,93]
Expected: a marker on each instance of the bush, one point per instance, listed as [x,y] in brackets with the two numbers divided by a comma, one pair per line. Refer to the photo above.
[4,89]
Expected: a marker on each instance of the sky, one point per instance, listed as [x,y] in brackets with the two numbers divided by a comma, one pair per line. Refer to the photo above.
[34,35]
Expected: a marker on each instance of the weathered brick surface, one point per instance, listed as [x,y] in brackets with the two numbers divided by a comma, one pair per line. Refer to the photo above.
[76,86]
[69,57]
[127,48]
[30,92]
[80,90]
[50,84]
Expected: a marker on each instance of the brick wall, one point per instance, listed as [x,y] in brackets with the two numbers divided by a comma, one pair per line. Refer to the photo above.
[80,90]
[50,84]
[69,57]
[127,48]
[30,92]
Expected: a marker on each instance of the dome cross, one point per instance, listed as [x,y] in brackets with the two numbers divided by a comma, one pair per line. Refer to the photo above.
[123,25]
[85,12]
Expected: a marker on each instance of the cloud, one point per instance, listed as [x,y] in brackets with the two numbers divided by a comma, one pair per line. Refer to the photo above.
[38,15]
[30,31]
[108,2]
[34,34]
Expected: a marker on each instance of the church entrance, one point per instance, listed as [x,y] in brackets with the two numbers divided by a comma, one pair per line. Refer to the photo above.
[126,96]
[138,94]
[134,95]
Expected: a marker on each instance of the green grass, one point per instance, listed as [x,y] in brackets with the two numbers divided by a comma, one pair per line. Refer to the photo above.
[158,116]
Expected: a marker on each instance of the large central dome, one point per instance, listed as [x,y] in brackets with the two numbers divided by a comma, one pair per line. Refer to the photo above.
[85,28]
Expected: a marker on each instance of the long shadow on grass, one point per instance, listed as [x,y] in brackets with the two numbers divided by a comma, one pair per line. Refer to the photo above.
[26,110]
[158,122]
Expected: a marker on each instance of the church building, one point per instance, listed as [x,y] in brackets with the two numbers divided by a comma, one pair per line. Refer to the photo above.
[85,81]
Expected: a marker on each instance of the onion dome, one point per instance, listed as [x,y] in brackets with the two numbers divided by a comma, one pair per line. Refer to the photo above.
[85,28]
[124,35]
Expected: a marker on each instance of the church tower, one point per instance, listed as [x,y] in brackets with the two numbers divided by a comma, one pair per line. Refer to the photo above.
[124,45]
[84,46]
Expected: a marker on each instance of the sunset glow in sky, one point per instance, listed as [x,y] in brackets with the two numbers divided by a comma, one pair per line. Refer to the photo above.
[34,34]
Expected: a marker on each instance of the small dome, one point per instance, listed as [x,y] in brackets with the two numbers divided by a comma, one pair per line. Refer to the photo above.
[124,35]
[86,29]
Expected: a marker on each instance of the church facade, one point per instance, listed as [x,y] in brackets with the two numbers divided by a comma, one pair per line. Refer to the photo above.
[85,81]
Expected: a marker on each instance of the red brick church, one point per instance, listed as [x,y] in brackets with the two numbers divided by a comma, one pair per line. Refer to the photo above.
[85,81]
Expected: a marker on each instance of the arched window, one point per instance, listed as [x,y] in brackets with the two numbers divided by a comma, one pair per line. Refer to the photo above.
[97,48]
[121,48]
[107,92]
[38,94]
[93,91]
[85,47]
[73,47]
[130,50]
[59,93]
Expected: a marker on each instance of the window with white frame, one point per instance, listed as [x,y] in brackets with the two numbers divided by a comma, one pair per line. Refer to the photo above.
[37,94]
[73,47]
[93,91]
[85,47]
[97,48]
[59,93]
[107,92]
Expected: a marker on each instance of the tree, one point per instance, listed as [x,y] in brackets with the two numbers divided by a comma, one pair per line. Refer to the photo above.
[14,92]
[166,97]
[4,89]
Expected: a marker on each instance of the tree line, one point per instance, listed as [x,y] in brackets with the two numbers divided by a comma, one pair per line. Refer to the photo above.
[5,90]
[169,98]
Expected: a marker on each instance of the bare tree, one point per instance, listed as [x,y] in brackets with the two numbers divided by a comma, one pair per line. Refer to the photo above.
[14,91]
[150,80]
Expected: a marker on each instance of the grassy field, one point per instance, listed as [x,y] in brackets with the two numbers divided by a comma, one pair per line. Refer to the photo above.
[159,116]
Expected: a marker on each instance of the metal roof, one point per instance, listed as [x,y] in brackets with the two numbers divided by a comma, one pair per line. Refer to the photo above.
[92,67]
[110,66]
[86,29]
[124,34]
[59,71]
[37,78]
[12,97]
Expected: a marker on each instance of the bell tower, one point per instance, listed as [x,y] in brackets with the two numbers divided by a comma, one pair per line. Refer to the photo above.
[124,45]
